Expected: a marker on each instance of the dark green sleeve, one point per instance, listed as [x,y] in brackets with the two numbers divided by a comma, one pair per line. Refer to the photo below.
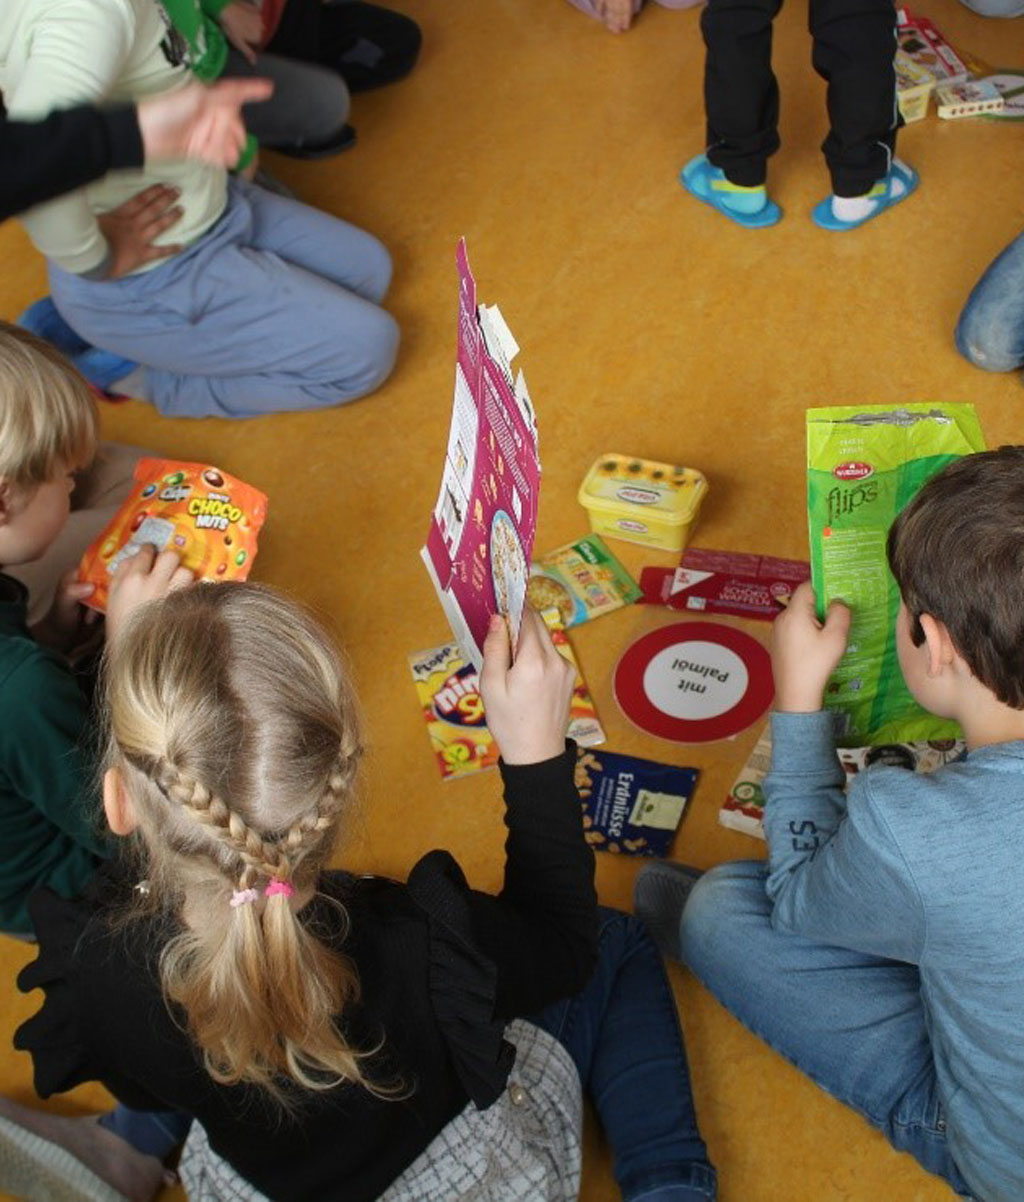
[44,725]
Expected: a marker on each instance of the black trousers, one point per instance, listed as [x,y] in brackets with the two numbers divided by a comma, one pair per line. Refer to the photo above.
[367,45]
[854,45]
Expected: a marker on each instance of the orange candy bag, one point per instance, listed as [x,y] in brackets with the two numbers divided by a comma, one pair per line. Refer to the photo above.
[209,518]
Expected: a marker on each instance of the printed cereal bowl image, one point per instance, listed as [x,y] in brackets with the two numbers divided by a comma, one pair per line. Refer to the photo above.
[509,570]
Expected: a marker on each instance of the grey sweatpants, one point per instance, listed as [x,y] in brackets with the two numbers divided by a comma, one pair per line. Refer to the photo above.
[277,307]
[309,105]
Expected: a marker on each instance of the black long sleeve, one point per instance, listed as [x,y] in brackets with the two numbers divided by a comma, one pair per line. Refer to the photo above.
[541,930]
[43,159]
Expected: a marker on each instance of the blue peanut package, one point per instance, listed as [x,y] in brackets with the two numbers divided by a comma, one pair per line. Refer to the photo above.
[631,806]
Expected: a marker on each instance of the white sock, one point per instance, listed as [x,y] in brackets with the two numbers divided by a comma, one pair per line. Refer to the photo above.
[856,208]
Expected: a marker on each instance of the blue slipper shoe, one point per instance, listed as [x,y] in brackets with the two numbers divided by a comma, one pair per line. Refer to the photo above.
[883,192]
[101,368]
[709,185]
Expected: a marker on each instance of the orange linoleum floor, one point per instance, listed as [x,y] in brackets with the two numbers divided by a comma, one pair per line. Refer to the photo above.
[648,325]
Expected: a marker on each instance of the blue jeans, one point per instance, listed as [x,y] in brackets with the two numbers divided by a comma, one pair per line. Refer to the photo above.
[996,8]
[853,1023]
[154,1132]
[623,1035]
[990,332]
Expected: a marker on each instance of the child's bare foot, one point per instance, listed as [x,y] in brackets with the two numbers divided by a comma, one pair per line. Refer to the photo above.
[617,15]
[49,1151]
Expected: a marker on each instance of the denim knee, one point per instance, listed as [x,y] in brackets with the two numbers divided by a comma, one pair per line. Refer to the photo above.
[717,904]
[995,8]
[986,341]
[990,332]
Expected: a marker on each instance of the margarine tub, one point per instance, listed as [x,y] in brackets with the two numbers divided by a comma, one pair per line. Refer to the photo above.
[641,501]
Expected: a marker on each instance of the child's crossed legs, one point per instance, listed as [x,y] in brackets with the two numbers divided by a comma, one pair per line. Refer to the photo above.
[853,1023]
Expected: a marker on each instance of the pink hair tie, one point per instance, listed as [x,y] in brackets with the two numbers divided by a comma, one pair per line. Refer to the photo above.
[284,888]
[242,897]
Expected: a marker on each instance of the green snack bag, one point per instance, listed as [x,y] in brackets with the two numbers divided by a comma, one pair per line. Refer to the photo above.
[864,463]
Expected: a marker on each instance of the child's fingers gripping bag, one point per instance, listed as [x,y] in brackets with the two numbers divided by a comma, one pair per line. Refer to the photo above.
[864,464]
[209,518]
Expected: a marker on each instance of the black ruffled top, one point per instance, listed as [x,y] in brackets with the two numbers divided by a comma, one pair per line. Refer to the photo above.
[441,966]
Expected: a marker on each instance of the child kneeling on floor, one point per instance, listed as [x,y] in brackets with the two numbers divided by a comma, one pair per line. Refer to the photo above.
[253,303]
[321,1028]
[879,949]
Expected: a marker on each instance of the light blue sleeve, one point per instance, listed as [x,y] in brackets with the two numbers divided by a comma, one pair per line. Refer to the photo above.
[836,871]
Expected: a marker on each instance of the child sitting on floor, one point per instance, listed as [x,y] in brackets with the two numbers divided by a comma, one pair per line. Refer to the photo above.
[854,48]
[618,15]
[879,949]
[323,1028]
[264,305]
[307,113]
[49,810]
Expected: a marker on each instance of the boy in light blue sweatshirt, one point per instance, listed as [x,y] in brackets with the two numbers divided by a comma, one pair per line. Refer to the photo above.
[881,947]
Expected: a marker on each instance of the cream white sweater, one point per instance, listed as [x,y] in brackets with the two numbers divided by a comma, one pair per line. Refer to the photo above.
[56,53]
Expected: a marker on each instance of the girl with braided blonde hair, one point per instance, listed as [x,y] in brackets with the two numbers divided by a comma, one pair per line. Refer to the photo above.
[337,1037]
[233,747]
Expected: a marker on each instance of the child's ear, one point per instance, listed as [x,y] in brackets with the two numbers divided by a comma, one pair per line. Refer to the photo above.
[117,805]
[941,652]
[6,500]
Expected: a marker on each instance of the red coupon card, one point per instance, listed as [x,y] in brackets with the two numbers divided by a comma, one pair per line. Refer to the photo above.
[725,582]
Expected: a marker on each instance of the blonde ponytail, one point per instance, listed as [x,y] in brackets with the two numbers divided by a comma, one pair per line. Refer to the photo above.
[235,730]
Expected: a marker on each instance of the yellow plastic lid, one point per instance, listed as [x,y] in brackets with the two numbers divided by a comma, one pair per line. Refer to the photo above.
[626,484]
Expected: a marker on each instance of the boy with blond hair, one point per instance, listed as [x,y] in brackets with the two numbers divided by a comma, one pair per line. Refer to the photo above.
[48,431]
[880,947]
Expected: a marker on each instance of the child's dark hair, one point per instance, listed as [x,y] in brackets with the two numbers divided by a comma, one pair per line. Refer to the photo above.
[957,552]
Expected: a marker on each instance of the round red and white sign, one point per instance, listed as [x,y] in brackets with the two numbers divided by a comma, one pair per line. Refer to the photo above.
[694,682]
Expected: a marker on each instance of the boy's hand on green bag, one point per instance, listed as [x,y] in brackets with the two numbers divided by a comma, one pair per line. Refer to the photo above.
[805,652]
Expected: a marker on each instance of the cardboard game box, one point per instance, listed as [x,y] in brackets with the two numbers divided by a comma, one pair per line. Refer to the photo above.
[449,692]
[480,539]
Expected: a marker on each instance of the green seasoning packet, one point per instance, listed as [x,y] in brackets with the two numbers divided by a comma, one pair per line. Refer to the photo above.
[864,464]
[583,579]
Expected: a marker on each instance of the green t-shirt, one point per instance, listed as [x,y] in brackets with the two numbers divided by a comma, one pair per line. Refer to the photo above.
[49,805]
[206,47]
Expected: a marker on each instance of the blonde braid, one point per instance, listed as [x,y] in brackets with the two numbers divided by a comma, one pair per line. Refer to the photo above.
[262,858]
[336,794]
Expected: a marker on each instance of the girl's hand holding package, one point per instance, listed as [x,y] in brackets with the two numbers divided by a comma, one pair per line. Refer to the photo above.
[527,702]
[146,576]
[805,652]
